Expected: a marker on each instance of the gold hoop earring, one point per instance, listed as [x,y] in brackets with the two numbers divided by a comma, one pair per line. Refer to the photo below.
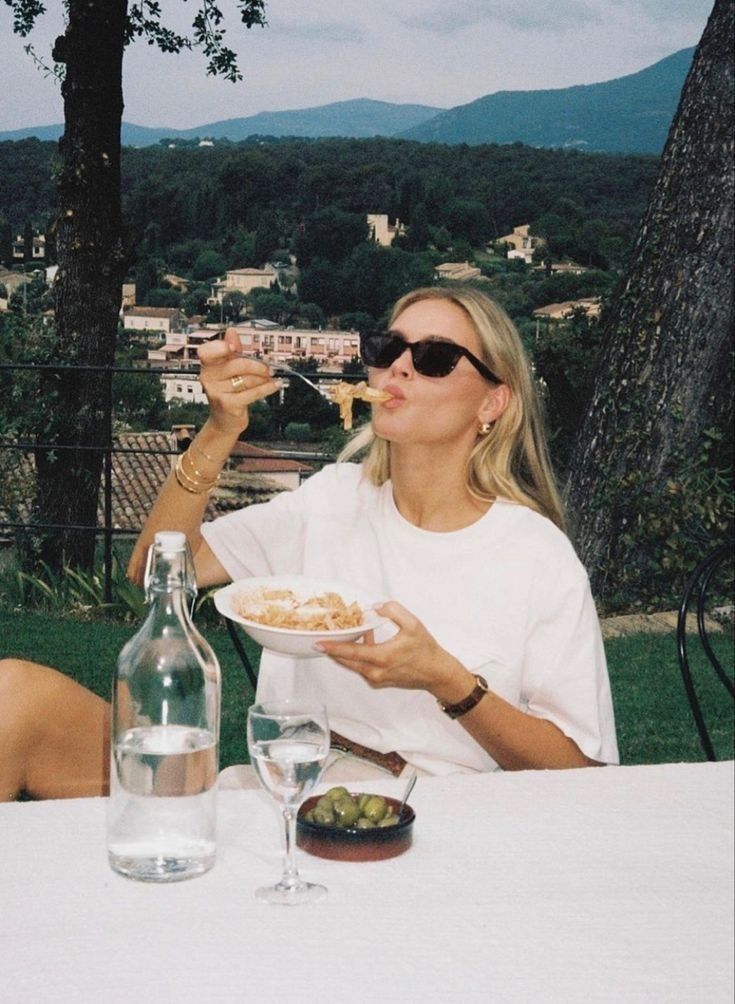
[485,427]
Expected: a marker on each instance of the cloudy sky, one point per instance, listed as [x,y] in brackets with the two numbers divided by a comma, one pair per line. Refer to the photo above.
[433,52]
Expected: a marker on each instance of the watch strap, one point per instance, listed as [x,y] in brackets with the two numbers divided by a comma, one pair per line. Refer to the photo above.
[462,707]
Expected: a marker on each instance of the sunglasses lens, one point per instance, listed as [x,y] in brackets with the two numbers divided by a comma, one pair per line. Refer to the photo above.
[381,350]
[435,359]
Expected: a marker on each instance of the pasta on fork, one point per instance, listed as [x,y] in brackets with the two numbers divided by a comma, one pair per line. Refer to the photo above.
[343,394]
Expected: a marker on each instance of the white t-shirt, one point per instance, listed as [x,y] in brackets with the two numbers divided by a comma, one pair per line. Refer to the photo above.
[507,596]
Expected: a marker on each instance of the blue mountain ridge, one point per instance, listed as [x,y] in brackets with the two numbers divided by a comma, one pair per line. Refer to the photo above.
[629,114]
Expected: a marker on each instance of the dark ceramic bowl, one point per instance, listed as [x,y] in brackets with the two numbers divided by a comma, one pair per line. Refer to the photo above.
[350,844]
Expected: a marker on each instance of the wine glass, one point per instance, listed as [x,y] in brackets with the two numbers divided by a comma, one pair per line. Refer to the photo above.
[288,743]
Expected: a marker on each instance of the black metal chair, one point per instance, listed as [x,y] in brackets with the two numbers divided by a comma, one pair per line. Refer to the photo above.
[696,593]
[240,649]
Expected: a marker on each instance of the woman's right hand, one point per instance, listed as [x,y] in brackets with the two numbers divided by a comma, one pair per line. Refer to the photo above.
[232,383]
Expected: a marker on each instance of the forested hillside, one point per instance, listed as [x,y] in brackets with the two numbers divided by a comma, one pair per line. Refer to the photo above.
[475,193]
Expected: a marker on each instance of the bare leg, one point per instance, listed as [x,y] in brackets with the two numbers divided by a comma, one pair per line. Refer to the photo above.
[54,734]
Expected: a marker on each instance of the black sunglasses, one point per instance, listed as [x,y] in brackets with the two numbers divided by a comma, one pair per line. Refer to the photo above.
[431,357]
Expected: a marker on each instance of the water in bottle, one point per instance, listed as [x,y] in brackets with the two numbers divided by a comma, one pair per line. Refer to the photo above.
[165,732]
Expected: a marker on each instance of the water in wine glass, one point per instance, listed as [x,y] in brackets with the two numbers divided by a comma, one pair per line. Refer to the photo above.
[288,744]
[288,769]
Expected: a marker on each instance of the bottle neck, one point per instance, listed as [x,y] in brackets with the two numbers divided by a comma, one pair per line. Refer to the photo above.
[169,589]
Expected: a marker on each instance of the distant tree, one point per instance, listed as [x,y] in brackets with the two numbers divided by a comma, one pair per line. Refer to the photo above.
[138,401]
[440,238]
[30,298]
[195,301]
[232,305]
[161,296]
[89,238]
[267,236]
[566,357]
[148,275]
[312,314]
[357,320]
[208,265]
[330,235]
[418,236]
[468,219]
[660,420]
[324,283]
[241,251]
[272,306]
[6,240]
[182,255]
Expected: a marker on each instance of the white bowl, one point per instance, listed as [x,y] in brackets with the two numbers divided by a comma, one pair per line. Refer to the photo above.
[289,641]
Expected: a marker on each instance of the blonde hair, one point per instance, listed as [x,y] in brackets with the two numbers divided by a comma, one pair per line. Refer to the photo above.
[512,460]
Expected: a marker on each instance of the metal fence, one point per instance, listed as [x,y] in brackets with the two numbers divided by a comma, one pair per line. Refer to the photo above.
[107,448]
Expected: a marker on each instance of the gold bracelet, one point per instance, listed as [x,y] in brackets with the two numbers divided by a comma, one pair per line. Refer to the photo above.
[187,483]
[199,476]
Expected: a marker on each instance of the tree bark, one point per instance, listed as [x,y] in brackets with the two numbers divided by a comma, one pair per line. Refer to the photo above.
[88,285]
[663,395]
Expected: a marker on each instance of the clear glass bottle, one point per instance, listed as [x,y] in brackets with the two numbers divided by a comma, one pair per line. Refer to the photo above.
[161,817]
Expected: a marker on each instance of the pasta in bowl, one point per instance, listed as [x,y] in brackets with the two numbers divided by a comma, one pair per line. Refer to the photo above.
[290,613]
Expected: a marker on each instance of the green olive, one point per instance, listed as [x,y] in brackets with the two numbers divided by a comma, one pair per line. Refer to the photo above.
[364,824]
[324,814]
[346,812]
[363,799]
[375,808]
[334,794]
[389,820]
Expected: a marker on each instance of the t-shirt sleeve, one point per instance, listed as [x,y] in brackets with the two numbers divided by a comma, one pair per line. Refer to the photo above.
[565,677]
[267,538]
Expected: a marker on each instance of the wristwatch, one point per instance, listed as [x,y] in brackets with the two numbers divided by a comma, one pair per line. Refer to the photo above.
[456,710]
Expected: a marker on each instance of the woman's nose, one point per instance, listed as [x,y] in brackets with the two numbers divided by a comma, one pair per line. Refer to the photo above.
[403,365]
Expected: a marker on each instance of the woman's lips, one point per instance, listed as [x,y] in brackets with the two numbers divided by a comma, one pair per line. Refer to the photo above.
[397,397]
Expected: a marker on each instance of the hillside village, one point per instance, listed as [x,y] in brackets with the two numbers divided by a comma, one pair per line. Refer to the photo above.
[166,340]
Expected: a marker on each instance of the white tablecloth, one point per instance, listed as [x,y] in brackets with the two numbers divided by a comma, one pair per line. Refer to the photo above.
[611,884]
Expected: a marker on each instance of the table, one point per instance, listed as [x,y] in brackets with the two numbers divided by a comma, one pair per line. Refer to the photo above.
[612,884]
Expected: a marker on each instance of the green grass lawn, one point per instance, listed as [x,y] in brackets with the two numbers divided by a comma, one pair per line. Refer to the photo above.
[654,722]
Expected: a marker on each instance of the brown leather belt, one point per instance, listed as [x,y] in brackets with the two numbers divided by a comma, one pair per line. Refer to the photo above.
[392,762]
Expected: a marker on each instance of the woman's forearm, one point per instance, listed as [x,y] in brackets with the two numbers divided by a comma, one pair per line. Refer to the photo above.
[180,505]
[519,741]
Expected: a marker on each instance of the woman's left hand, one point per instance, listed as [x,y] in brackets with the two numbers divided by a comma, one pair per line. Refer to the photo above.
[411,659]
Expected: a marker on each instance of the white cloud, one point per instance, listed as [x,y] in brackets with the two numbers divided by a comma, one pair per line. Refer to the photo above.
[420,51]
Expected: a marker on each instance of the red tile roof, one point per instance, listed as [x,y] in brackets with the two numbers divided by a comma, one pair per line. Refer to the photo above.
[137,478]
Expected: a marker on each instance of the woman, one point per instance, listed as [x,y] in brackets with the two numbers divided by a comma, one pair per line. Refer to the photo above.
[492,655]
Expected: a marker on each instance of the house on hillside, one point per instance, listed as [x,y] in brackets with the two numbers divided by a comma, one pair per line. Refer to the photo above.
[243,280]
[560,312]
[38,247]
[177,282]
[563,268]
[521,244]
[127,296]
[165,319]
[381,230]
[275,344]
[457,271]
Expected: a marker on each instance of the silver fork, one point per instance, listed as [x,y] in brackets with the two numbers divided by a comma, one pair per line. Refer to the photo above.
[291,372]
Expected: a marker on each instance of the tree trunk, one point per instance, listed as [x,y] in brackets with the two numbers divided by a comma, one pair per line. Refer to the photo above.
[88,286]
[662,404]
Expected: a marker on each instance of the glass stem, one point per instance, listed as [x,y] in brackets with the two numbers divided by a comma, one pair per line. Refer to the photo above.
[290,877]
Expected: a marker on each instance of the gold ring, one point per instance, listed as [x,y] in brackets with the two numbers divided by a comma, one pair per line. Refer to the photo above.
[237,382]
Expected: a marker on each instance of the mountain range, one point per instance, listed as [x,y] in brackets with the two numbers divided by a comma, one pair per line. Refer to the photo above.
[629,114]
